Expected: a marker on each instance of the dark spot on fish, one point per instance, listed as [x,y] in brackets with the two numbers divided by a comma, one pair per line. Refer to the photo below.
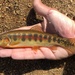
[35,37]
[58,40]
[45,36]
[40,38]
[23,37]
[62,41]
[29,37]
[68,43]
[49,39]
[54,39]
[14,37]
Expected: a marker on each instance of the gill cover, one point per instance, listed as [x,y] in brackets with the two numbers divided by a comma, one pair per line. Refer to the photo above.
[4,41]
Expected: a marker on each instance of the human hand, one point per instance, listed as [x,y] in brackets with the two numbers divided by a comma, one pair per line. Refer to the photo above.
[54,22]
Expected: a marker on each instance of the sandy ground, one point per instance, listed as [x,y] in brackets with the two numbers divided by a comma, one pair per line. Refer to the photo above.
[18,13]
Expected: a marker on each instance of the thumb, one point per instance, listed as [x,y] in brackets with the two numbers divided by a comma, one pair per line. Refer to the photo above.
[63,24]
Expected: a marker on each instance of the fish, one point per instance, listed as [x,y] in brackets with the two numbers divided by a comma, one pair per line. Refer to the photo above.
[34,39]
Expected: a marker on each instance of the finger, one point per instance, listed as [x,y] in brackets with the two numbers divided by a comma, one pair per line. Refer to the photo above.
[44,24]
[5,52]
[56,54]
[47,52]
[27,53]
[40,8]
[48,26]
[60,53]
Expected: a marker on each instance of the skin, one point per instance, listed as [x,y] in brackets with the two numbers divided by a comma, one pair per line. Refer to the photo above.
[54,22]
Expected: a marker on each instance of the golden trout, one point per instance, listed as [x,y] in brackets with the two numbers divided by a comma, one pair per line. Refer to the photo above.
[31,38]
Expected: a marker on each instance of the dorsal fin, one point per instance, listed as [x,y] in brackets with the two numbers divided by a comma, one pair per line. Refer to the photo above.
[37,28]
